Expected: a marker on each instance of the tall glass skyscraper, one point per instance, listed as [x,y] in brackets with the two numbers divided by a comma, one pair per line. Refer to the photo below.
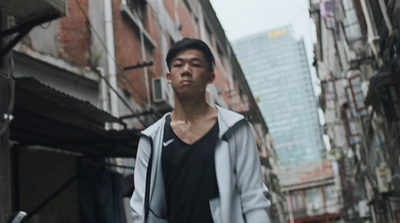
[275,66]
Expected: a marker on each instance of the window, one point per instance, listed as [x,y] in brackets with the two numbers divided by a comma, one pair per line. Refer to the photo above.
[356,92]
[330,193]
[314,198]
[297,200]
[327,10]
[134,11]
[209,34]
[350,23]
[353,130]
[221,55]
[192,7]
[329,94]
[138,7]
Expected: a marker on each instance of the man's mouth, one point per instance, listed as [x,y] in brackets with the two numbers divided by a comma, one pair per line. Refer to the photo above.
[186,81]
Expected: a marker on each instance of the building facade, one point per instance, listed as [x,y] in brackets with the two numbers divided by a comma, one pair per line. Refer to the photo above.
[81,79]
[356,57]
[275,65]
[312,193]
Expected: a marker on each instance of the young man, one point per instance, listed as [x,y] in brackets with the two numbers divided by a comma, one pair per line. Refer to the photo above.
[197,164]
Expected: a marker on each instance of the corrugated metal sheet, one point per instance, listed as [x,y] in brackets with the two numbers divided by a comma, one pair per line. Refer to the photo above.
[47,117]
[35,96]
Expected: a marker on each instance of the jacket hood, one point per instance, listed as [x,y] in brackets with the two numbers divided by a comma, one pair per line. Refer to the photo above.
[226,119]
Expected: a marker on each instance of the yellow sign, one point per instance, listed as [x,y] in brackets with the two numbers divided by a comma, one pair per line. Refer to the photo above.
[277,33]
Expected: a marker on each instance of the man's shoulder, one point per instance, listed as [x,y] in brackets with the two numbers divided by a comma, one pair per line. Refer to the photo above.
[229,117]
[229,114]
[153,128]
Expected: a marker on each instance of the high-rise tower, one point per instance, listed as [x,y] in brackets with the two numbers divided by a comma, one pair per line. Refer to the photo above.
[275,66]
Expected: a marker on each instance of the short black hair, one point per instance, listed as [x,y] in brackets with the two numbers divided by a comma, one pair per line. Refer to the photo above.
[190,43]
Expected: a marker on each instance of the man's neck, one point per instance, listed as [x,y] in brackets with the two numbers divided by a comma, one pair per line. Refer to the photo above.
[191,110]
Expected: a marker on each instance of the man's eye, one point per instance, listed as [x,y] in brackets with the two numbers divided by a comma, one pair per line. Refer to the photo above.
[177,65]
[197,65]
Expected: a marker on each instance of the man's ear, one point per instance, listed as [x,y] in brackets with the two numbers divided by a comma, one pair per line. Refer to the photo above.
[168,76]
[212,77]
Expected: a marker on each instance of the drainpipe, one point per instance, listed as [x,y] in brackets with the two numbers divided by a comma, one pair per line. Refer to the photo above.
[112,70]
[146,74]
[104,95]
[103,89]
[386,16]
[290,209]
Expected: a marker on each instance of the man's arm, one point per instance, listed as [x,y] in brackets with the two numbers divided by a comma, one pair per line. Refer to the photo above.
[138,198]
[249,178]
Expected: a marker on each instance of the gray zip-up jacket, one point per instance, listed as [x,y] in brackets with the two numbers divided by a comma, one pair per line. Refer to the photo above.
[241,190]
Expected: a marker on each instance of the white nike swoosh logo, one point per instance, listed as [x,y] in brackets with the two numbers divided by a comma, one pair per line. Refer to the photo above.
[168,142]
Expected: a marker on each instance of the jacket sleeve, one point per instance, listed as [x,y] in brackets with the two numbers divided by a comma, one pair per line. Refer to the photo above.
[137,201]
[249,178]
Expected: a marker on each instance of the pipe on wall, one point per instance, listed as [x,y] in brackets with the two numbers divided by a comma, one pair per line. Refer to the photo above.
[111,64]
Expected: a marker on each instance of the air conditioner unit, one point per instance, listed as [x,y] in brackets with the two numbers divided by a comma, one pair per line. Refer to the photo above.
[384,177]
[23,10]
[314,207]
[363,209]
[162,94]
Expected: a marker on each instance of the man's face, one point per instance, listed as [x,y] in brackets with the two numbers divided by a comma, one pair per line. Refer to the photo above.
[190,73]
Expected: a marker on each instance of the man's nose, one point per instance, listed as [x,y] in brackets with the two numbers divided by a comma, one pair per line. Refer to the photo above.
[186,68]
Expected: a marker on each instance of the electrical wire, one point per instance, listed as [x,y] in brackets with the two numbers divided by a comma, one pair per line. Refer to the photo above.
[118,95]
[106,50]
[11,82]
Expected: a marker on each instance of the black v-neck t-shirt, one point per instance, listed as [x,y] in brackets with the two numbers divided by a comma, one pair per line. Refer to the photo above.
[189,175]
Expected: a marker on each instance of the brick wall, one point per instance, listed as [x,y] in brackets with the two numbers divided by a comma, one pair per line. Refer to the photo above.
[74,34]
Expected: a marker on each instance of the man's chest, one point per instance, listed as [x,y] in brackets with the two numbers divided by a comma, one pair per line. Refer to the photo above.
[190,133]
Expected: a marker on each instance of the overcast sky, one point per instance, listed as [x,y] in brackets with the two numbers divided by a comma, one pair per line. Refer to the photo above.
[241,18]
